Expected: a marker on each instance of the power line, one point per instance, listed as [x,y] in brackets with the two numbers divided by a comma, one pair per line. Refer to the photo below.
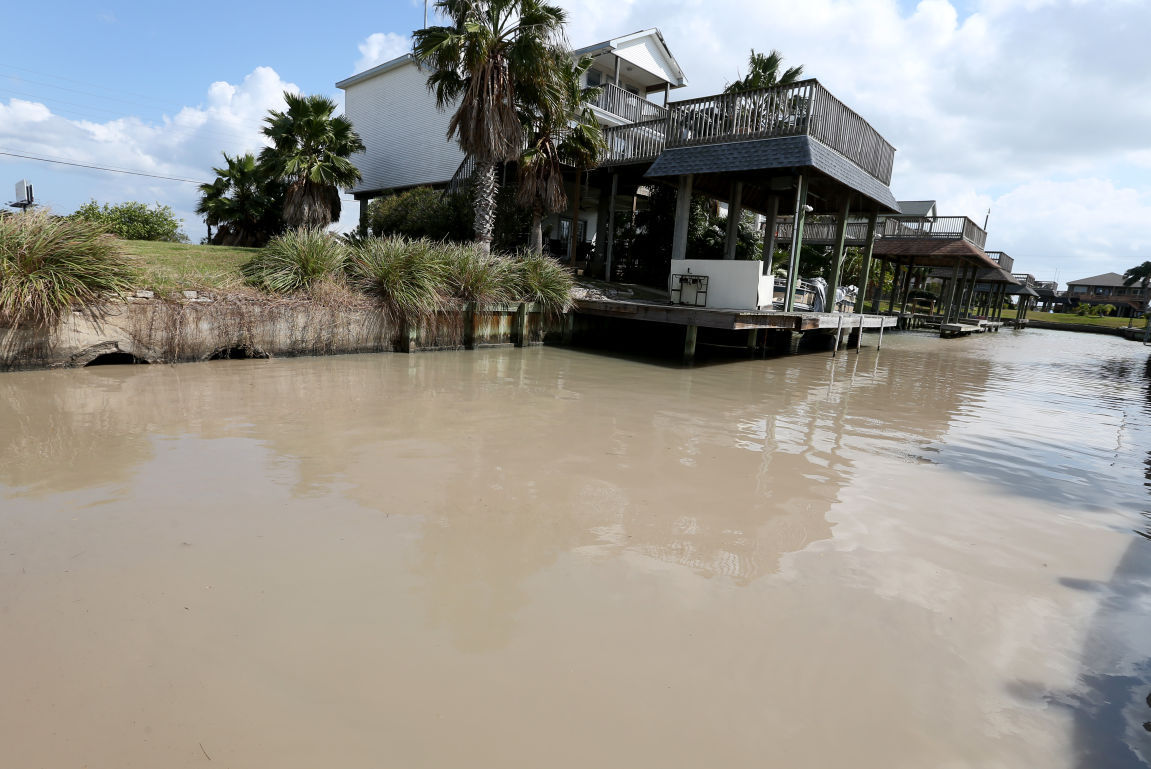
[100,168]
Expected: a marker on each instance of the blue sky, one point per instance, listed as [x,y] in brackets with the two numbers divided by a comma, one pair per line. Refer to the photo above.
[1037,109]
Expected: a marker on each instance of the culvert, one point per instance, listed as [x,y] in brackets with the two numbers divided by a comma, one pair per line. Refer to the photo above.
[237,353]
[115,359]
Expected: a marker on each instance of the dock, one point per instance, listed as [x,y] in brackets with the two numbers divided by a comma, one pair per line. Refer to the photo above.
[787,329]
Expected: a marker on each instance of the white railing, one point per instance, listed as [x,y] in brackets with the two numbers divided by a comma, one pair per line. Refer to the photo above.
[627,105]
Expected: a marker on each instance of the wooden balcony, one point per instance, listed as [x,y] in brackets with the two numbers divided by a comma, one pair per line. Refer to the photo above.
[800,109]
[1004,261]
[821,230]
[628,106]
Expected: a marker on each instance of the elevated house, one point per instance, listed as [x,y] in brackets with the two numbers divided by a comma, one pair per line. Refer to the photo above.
[406,134]
[1107,288]
[787,150]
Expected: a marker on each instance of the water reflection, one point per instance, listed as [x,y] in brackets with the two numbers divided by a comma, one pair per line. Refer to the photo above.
[788,543]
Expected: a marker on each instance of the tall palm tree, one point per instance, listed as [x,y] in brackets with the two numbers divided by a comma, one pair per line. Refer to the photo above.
[490,52]
[582,147]
[549,121]
[1140,274]
[244,202]
[763,71]
[311,153]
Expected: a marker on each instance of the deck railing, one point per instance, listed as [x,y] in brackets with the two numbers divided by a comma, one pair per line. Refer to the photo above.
[933,228]
[821,230]
[798,109]
[627,105]
[1004,261]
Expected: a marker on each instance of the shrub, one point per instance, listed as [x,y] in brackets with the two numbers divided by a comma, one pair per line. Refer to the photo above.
[421,213]
[48,264]
[133,221]
[472,276]
[298,260]
[545,281]
[407,275]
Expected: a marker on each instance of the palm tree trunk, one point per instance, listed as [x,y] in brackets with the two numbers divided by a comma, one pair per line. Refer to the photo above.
[573,243]
[485,204]
[536,241]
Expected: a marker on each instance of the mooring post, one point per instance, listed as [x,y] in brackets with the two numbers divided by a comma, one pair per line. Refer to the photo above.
[569,327]
[411,337]
[882,325]
[753,339]
[689,338]
[859,339]
[469,318]
[520,325]
[838,333]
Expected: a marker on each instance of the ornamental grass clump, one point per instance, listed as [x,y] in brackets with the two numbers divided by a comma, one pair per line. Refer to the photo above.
[408,276]
[544,281]
[474,276]
[299,260]
[49,264]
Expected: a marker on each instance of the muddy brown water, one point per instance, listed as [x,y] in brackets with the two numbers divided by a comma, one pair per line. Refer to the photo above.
[934,556]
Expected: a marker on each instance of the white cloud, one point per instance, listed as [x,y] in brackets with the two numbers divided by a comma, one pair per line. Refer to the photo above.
[185,145]
[1026,106]
[380,47]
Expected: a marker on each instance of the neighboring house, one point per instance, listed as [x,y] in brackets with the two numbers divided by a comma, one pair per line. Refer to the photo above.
[406,134]
[1107,288]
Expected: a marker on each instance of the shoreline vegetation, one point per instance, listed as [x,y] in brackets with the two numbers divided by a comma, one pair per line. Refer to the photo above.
[52,265]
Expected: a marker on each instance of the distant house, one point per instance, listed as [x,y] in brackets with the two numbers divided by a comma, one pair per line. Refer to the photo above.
[406,134]
[1107,288]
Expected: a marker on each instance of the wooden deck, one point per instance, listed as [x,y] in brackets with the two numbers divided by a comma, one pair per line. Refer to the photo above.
[952,330]
[737,320]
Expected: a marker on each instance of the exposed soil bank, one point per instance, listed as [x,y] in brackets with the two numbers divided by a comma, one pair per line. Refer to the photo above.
[204,328]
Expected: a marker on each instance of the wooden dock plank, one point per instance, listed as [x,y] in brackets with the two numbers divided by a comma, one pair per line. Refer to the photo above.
[730,319]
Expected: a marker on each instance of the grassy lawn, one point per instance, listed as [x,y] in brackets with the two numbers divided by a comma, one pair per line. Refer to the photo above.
[171,267]
[1083,320]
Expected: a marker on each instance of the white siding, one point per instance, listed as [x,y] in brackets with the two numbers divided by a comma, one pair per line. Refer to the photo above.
[646,54]
[405,136]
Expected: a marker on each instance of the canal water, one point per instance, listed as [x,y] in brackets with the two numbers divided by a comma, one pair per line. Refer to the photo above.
[933,556]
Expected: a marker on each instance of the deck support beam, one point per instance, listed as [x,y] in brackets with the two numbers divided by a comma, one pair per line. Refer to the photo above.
[796,244]
[689,337]
[682,214]
[363,227]
[734,213]
[837,258]
[610,227]
[769,232]
[877,298]
[865,271]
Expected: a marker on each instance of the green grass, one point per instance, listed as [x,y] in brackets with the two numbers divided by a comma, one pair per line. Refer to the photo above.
[1082,320]
[170,267]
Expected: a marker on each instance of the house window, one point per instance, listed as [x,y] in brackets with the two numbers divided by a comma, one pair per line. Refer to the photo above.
[1101,291]
[594,78]
[566,228]
[1079,289]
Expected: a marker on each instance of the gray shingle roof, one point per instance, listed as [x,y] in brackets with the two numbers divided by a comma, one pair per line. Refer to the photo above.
[1112,279]
[763,154]
[916,207]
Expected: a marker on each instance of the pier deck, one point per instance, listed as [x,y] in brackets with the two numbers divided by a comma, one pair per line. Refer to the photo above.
[737,320]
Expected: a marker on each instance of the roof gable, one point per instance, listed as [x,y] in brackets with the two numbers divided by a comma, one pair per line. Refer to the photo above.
[1106,279]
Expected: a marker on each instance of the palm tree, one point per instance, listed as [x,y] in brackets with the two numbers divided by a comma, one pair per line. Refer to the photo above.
[763,72]
[556,122]
[491,51]
[311,153]
[1141,275]
[582,146]
[244,202]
